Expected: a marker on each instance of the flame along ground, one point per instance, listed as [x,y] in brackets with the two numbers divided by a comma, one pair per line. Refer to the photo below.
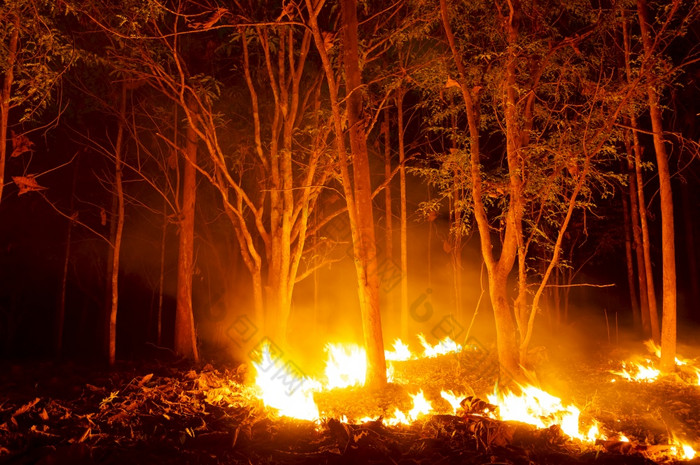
[644,369]
[292,396]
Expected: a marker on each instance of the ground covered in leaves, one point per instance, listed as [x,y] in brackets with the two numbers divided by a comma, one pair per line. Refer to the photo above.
[65,414]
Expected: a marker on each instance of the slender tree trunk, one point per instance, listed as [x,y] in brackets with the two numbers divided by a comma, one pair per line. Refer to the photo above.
[637,238]
[161,278]
[359,209]
[456,232]
[506,341]
[691,252]
[668,327]
[5,99]
[61,317]
[403,226]
[653,315]
[498,270]
[634,302]
[388,214]
[116,246]
[365,249]
[652,328]
[185,334]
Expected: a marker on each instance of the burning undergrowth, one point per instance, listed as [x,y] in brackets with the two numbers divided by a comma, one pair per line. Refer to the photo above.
[168,415]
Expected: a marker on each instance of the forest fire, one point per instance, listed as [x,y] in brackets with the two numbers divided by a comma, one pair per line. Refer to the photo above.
[214,213]
[527,404]
[645,370]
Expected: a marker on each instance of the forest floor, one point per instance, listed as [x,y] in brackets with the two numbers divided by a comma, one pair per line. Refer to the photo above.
[54,414]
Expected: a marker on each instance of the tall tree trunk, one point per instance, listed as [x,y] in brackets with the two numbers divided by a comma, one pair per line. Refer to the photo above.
[637,238]
[5,98]
[652,315]
[403,220]
[161,277]
[388,214]
[629,261]
[668,327]
[365,260]
[185,335]
[61,316]
[691,252]
[498,270]
[365,247]
[116,245]
[456,231]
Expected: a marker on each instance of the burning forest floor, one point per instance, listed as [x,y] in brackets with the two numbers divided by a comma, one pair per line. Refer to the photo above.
[61,414]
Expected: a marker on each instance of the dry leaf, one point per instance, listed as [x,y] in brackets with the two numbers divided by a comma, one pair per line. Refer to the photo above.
[25,408]
[451,83]
[172,160]
[20,144]
[103,217]
[215,17]
[26,184]
[327,40]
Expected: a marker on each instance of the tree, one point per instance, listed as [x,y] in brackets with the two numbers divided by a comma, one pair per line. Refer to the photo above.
[668,326]
[358,189]
[185,334]
[33,56]
[553,122]
[117,230]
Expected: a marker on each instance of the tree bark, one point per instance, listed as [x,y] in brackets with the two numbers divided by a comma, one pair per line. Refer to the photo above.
[365,246]
[691,252]
[668,327]
[637,239]
[629,261]
[403,220]
[5,99]
[650,324]
[376,366]
[185,334]
[116,246]
[498,270]
[61,317]
[388,213]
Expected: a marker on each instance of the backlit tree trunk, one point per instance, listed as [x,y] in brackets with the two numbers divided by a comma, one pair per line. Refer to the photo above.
[388,214]
[361,225]
[116,245]
[650,321]
[636,230]
[668,327]
[629,261]
[497,269]
[185,334]
[364,244]
[403,220]
[5,99]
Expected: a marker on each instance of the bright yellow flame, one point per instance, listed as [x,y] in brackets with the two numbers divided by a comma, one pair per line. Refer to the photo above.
[539,408]
[640,372]
[421,406]
[681,450]
[688,452]
[400,353]
[284,390]
[346,366]
[453,399]
[656,350]
[445,346]
[594,433]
